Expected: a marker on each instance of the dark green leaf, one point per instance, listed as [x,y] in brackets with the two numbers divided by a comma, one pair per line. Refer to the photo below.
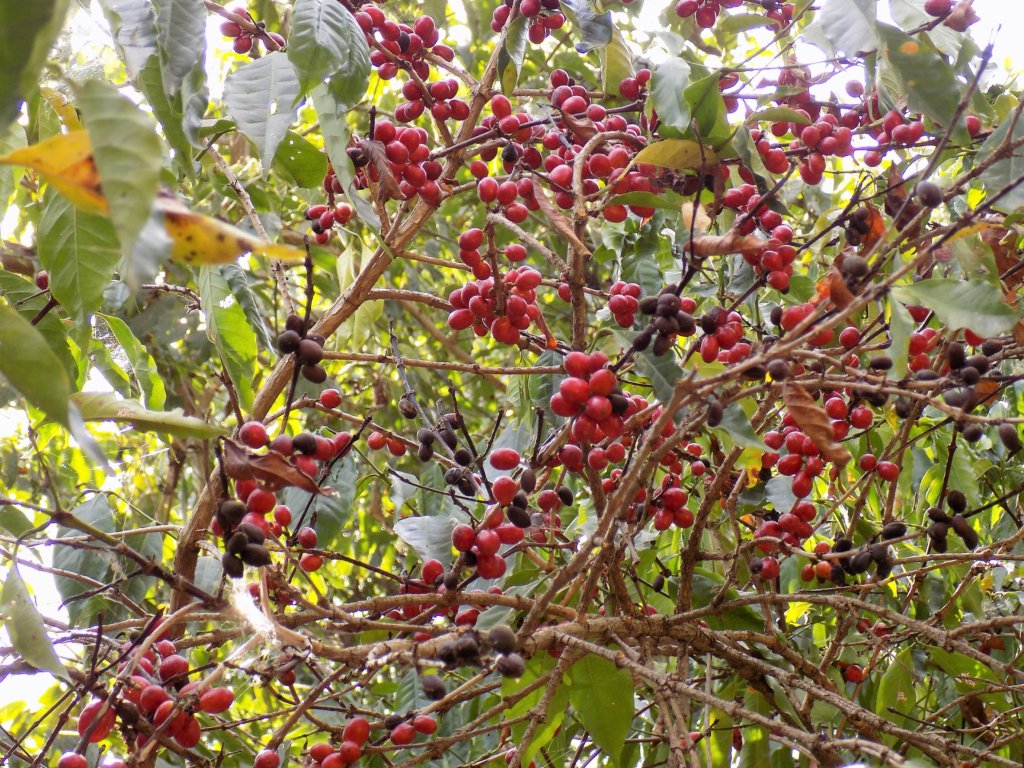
[616,62]
[668,81]
[13,521]
[708,111]
[326,42]
[230,332]
[662,372]
[103,406]
[31,367]
[333,513]
[128,154]
[260,96]
[778,115]
[756,751]
[25,626]
[181,32]
[25,298]
[143,367]
[80,252]
[27,31]
[737,428]
[976,304]
[179,115]
[92,564]
[896,696]
[602,695]
[926,80]
[849,25]
[1006,173]
[430,537]
[306,164]
[594,29]
[238,279]
[510,57]
[668,200]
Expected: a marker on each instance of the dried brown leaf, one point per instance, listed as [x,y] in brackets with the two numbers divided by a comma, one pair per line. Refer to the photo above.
[271,469]
[896,197]
[814,422]
[731,242]
[838,291]
[387,185]
[962,16]
[583,128]
[558,221]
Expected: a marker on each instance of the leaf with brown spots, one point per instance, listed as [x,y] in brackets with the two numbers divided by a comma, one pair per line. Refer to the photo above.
[814,422]
[833,287]
[271,469]
[65,161]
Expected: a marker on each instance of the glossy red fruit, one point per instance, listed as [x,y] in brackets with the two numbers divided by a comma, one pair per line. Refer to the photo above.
[306,537]
[216,700]
[310,562]
[152,696]
[463,537]
[854,673]
[330,398]
[173,666]
[320,751]
[356,730]
[350,751]
[504,489]
[266,759]
[887,470]
[189,732]
[424,724]
[402,734]
[103,727]
[253,434]
[504,459]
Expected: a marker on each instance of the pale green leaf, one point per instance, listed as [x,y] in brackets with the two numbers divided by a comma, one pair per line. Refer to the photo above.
[143,366]
[230,332]
[104,406]
[325,41]
[977,304]
[260,96]
[31,367]
[602,695]
[25,626]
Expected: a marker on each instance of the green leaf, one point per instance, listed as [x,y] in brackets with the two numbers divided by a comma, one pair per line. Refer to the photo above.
[668,81]
[708,110]
[25,298]
[662,372]
[302,161]
[429,537]
[335,132]
[143,366]
[910,14]
[25,626]
[756,751]
[179,115]
[901,326]
[778,115]
[104,406]
[677,154]
[181,33]
[333,514]
[128,154]
[926,80]
[602,695]
[133,27]
[325,41]
[260,96]
[616,62]
[239,279]
[1006,171]
[92,564]
[80,252]
[31,367]
[976,304]
[230,332]
[510,57]
[595,29]
[849,25]
[668,200]
[896,697]
[27,32]
[736,426]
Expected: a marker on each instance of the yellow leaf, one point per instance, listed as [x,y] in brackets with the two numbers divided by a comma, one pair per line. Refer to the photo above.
[199,239]
[677,154]
[64,108]
[65,162]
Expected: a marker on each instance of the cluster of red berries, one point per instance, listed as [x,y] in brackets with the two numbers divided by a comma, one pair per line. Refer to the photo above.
[723,337]
[244,40]
[624,302]
[409,163]
[324,217]
[477,305]
[396,45]
[544,14]
[591,396]
[439,97]
[668,507]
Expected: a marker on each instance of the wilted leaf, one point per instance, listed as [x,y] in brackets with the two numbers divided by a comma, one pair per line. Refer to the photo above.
[896,196]
[813,422]
[387,184]
[833,286]
[720,245]
[962,16]
[876,228]
[199,239]
[65,161]
[270,468]
[583,128]
[676,154]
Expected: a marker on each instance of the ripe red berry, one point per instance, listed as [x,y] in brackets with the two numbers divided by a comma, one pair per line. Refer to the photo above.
[72,760]
[216,700]
[105,724]
[173,666]
[330,398]
[401,734]
[424,724]
[887,471]
[310,562]
[463,537]
[854,673]
[253,434]
[356,730]
[504,459]
[266,759]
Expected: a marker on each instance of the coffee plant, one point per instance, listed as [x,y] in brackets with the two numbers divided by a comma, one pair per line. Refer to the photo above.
[529,382]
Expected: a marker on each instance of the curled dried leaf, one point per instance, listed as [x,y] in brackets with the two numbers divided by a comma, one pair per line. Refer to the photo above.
[270,468]
[695,217]
[838,291]
[387,185]
[731,242]
[962,16]
[558,221]
[583,128]
[814,422]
